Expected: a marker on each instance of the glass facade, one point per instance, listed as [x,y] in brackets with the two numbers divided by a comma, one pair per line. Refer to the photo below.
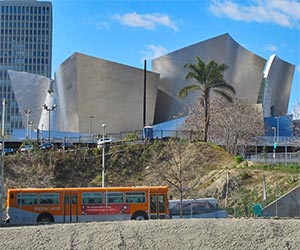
[25,45]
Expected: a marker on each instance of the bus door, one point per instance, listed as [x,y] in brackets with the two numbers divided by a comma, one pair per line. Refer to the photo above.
[158,203]
[70,207]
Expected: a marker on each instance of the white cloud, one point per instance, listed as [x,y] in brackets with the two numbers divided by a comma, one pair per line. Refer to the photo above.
[99,25]
[147,21]
[282,12]
[153,51]
[271,47]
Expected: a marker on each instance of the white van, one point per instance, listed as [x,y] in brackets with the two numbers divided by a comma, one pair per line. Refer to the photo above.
[196,208]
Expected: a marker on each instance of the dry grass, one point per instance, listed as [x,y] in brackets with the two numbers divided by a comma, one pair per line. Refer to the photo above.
[127,165]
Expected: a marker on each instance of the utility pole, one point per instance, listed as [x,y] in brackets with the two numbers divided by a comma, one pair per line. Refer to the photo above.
[144,99]
[103,155]
[2,154]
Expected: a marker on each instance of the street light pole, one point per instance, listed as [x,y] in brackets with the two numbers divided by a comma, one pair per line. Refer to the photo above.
[277,117]
[274,147]
[2,155]
[49,109]
[27,113]
[30,125]
[103,155]
[255,148]
[90,124]
[273,128]
[42,134]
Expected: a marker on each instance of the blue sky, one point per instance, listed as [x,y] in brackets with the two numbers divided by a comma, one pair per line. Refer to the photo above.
[130,31]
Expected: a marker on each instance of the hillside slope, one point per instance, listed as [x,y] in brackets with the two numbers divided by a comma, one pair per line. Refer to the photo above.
[128,165]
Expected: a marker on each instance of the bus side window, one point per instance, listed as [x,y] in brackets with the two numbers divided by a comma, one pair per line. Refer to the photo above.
[92,198]
[135,197]
[27,199]
[67,200]
[74,199]
[49,198]
[153,204]
[43,201]
[114,197]
[162,204]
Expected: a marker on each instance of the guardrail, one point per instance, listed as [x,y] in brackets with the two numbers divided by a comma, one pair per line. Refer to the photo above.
[274,158]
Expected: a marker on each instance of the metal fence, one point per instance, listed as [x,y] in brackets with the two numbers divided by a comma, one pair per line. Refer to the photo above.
[136,135]
[275,158]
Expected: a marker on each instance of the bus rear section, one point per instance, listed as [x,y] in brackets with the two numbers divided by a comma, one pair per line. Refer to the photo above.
[30,206]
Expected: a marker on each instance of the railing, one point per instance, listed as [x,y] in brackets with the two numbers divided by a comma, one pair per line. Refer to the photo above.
[136,135]
[274,158]
[281,140]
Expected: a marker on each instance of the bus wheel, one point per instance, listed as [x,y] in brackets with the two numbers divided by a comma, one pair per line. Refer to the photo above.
[139,215]
[45,218]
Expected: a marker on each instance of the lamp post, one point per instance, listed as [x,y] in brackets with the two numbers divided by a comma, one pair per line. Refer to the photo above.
[2,155]
[42,134]
[49,109]
[90,124]
[255,148]
[29,124]
[273,128]
[277,118]
[103,155]
[27,113]
[175,117]
[274,148]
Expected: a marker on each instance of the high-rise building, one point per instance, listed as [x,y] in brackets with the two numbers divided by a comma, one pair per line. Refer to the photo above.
[25,45]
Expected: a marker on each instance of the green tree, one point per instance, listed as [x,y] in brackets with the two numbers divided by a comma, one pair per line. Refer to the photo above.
[209,78]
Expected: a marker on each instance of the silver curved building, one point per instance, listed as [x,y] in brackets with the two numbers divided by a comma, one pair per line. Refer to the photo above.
[88,86]
[112,93]
[245,74]
[276,86]
[32,92]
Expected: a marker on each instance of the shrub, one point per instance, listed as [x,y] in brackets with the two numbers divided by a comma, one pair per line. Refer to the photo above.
[238,159]
[230,210]
[245,175]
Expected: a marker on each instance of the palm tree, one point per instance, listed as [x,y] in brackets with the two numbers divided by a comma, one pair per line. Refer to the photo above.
[208,78]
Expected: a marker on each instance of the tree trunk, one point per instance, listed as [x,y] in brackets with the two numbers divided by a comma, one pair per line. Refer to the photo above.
[206,114]
[180,205]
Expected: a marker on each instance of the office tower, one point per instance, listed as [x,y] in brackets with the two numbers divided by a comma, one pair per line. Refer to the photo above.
[25,45]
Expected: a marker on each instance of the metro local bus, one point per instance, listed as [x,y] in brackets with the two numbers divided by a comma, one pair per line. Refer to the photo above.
[36,205]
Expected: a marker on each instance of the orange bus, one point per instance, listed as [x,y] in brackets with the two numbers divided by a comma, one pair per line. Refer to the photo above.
[35,205]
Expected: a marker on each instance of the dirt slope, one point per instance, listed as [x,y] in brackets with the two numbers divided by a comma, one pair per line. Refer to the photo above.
[165,234]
